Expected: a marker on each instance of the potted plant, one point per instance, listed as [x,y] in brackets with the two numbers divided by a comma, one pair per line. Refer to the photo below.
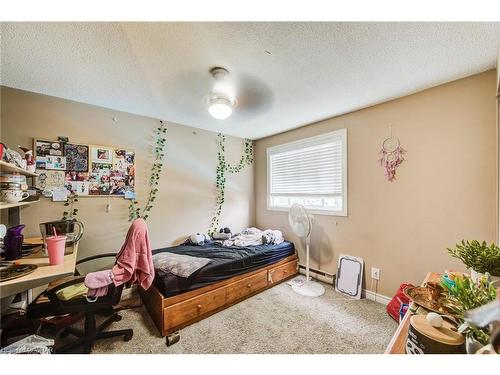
[465,294]
[480,257]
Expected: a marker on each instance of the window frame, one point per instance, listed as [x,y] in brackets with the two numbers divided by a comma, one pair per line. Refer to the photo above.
[303,143]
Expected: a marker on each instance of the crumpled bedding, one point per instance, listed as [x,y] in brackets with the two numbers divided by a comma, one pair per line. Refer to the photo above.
[179,264]
[254,236]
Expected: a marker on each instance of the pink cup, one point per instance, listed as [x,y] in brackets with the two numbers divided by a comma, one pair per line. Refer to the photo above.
[55,248]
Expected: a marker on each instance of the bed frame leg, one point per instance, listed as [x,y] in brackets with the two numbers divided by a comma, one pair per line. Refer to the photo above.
[172,338]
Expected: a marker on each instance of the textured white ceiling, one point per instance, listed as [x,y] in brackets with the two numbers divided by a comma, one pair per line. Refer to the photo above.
[314,70]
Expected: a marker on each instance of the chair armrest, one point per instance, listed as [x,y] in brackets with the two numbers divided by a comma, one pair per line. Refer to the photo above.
[93,257]
[98,256]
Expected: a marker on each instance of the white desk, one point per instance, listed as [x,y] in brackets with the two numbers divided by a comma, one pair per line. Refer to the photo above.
[44,274]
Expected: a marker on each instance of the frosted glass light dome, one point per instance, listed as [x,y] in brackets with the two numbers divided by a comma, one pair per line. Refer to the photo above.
[220,108]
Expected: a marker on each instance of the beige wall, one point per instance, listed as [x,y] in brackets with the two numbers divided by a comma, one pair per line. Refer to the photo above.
[186,196]
[445,190]
[498,70]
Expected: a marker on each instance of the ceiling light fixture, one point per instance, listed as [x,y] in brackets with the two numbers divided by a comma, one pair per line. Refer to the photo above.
[220,104]
[220,107]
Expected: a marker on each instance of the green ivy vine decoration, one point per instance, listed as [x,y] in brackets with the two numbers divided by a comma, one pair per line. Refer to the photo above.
[72,211]
[136,212]
[224,167]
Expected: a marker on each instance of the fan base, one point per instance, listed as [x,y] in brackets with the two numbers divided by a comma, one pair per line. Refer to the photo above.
[309,289]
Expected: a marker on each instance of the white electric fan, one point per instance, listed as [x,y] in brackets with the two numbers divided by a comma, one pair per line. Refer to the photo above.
[301,223]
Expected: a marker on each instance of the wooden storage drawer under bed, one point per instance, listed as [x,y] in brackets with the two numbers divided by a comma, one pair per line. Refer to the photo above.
[245,287]
[280,273]
[172,313]
[192,309]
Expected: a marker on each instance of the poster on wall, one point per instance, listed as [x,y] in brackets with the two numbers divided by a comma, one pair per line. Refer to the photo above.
[77,167]
[55,162]
[77,176]
[99,179]
[44,149]
[49,180]
[86,170]
[77,157]
[122,177]
[78,187]
[60,194]
[101,154]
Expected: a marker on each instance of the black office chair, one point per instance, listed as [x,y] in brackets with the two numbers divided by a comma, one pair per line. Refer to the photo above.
[48,304]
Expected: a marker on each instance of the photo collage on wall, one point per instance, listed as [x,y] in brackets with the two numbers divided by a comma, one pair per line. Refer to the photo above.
[86,170]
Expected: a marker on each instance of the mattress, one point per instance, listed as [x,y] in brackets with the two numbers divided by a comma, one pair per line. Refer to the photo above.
[226,262]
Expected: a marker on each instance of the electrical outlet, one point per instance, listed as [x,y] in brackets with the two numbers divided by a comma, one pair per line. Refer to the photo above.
[375,273]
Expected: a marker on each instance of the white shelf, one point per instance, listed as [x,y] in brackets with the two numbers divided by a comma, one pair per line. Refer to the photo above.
[5,205]
[11,168]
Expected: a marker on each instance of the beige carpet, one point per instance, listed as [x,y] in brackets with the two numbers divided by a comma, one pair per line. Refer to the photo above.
[275,321]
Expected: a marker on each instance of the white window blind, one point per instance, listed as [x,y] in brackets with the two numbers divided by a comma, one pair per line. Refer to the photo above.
[311,172]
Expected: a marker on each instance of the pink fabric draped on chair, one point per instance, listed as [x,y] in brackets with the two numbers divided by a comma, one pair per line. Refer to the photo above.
[134,263]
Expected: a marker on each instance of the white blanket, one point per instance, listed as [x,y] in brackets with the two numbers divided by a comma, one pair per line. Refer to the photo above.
[254,236]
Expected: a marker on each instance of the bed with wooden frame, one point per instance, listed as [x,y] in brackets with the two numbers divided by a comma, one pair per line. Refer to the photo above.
[173,313]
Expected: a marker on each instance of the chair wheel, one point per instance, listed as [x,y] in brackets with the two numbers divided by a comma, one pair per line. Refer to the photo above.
[128,336]
[117,318]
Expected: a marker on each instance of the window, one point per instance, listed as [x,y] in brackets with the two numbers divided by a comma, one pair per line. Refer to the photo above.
[311,172]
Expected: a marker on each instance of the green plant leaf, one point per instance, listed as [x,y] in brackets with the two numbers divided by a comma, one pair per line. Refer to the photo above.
[478,256]
[222,168]
[156,168]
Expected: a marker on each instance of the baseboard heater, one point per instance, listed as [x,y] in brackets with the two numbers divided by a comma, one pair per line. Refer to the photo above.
[317,274]
[330,279]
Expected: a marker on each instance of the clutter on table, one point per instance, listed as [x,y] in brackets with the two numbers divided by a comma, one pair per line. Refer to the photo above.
[454,315]
[11,270]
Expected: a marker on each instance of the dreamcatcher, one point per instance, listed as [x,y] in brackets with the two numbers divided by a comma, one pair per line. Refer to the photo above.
[391,156]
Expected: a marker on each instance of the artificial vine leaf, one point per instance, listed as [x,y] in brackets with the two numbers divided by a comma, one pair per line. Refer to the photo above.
[156,168]
[224,167]
[72,212]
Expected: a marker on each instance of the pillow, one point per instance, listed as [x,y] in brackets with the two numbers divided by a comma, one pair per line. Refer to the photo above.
[179,264]
[199,238]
